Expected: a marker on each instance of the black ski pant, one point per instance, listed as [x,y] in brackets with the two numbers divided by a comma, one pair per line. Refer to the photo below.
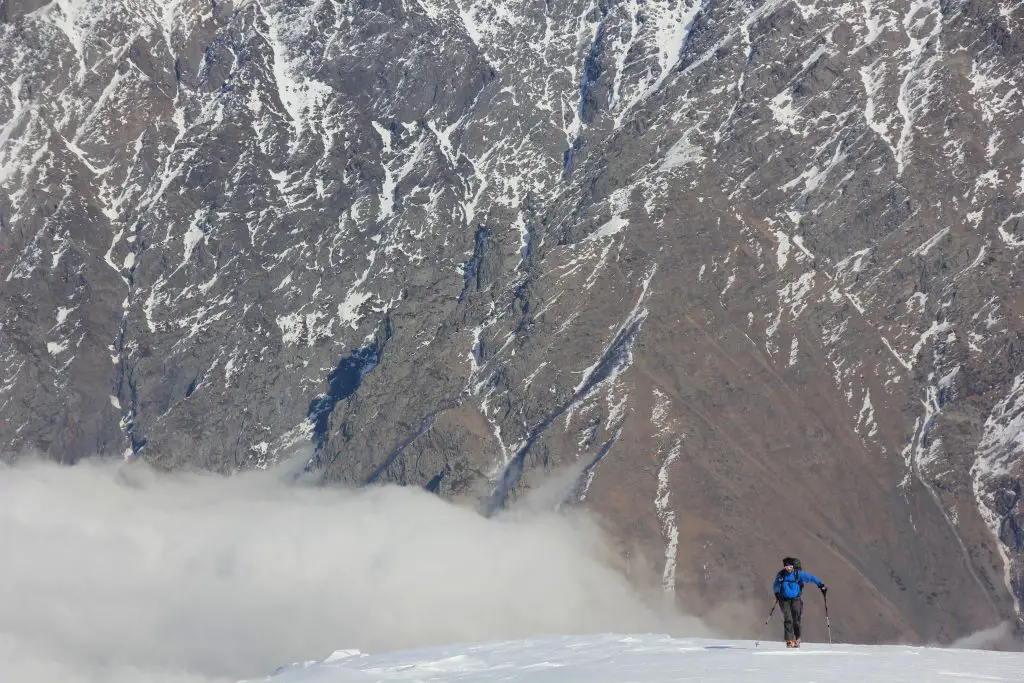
[792,610]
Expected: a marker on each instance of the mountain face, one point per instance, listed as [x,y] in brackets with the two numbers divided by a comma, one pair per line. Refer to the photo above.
[753,267]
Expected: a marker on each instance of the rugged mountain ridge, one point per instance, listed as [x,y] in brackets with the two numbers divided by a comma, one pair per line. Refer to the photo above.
[753,266]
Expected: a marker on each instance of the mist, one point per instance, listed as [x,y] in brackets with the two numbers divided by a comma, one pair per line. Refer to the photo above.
[118,574]
[999,637]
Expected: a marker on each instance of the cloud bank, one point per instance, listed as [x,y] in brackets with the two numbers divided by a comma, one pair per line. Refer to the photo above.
[121,575]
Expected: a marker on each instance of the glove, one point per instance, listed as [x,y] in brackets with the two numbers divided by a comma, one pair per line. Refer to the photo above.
[823,589]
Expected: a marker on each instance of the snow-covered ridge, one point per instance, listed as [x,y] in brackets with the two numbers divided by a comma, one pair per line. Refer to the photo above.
[657,659]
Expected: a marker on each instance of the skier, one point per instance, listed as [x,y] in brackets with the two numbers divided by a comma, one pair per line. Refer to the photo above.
[789,582]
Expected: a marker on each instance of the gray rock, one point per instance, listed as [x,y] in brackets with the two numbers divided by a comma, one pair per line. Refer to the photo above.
[752,268]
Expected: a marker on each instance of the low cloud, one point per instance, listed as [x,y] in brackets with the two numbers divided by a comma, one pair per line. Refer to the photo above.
[117,574]
[999,637]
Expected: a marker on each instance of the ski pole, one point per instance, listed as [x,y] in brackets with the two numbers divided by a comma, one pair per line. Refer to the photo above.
[828,624]
[765,627]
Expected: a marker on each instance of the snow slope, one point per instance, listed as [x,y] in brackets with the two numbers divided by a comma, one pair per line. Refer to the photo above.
[652,658]
[658,659]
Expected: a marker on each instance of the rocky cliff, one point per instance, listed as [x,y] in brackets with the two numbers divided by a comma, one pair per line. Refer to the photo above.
[752,267]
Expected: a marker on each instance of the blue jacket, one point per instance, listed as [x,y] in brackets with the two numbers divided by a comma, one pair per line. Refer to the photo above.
[787,585]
